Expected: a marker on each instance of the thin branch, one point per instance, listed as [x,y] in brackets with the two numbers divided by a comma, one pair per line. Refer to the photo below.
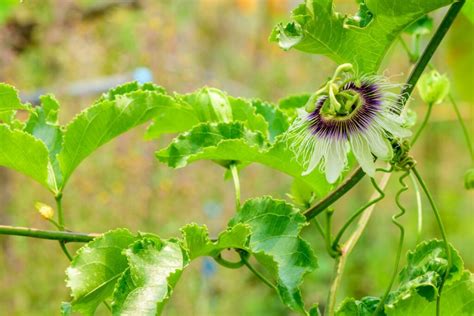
[65,236]
[317,209]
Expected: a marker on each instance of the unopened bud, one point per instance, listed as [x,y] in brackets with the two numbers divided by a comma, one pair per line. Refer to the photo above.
[433,87]
[469,179]
[46,211]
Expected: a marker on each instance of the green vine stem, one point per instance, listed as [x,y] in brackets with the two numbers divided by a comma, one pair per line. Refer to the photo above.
[244,259]
[442,230]
[318,208]
[319,228]
[349,245]
[395,217]
[463,126]
[59,207]
[235,177]
[65,236]
[357,213]
[423,124]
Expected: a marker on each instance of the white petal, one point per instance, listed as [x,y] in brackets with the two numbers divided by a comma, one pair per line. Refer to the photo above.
[362,152]
[336,160]
[316,156]
[379,145]
[392,124]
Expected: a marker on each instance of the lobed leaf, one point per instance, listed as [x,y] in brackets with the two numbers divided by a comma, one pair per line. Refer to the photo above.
[419,286]
[363,41]
[197,243]
[205,105]
[457,299]
[189,146]
[425,268]
[95,269]
[352,307]
[104,121]
[24,153]
[233,142]
[276,243]
[43,124]
[277,121]
[154,268]
[9,103]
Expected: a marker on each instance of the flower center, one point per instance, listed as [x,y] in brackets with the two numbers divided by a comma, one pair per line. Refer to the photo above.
[343,105]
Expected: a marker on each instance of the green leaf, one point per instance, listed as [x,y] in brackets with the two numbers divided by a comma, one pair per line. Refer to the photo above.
[204,106]
[196,240]
[43,124]
[276,243]
[468,10]
[154,268]
[316,28]
[352,307]
[419,286]
[276,119]
[291,104]
[294,101]
[104,121]
[203,138]
[95,269]
[24,153]
[130,87]
[456,300]
[232,142]
[424,271]
[9,103]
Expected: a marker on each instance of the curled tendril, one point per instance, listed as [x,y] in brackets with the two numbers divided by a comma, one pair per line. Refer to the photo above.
[406,163]
[228,264]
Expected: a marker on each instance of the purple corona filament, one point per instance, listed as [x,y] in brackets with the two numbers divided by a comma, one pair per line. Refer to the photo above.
[358,121]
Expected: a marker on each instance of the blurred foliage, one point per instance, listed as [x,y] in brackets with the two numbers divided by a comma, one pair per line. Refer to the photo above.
[188,44]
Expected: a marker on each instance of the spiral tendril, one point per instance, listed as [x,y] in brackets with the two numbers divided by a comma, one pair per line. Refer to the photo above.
[407,164]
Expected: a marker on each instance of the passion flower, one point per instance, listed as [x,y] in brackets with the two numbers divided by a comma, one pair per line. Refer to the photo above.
[350,112]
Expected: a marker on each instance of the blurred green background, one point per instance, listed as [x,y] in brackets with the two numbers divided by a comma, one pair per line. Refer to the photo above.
[188,44]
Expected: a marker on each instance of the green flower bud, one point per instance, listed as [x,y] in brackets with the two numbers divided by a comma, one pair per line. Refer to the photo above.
[469,179]
[213,104]
[433,87]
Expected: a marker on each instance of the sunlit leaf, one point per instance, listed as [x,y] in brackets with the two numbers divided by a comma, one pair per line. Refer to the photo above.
[276,119]
[276,243]
[43,124]
[104,121]
[24,153]
[96,268]
[196,240]
[205,105]
[352,307]
[154,268]
[233,142]
[317,28]
[456,300]
[9,103]
[204,138]
[419,283]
